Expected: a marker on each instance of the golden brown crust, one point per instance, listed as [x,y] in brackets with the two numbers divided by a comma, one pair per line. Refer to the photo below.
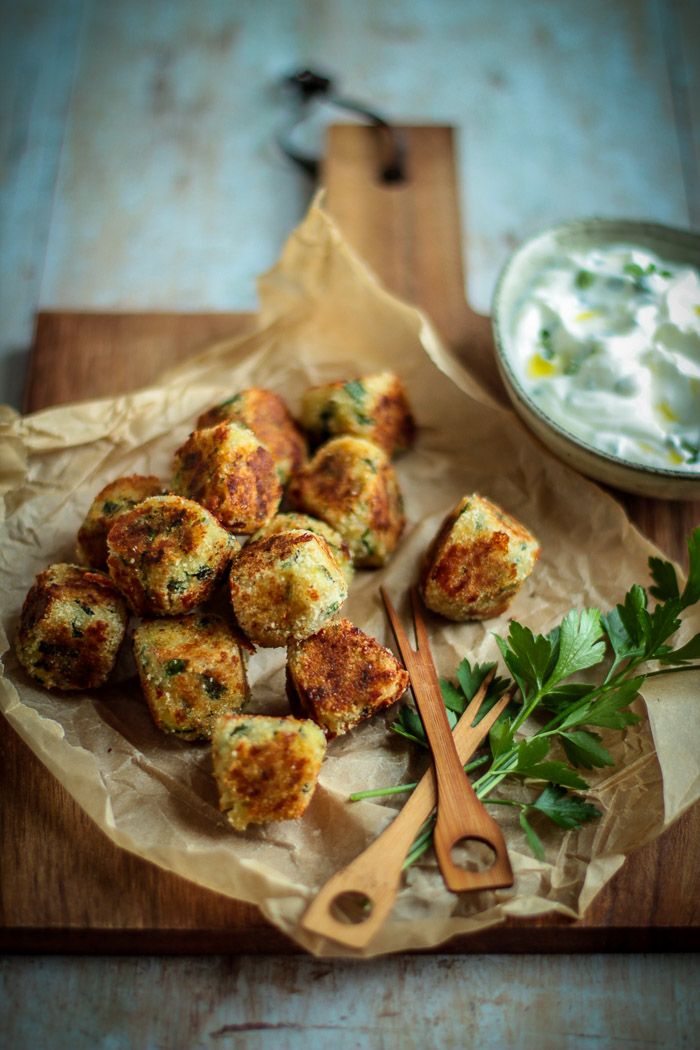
[192,671]
[268,416]
[477,562]
[351,484]
[114,499]
[341,676]
[266,768]
[228,471]
[290,522]
[71,627]
[372,406]
[167,555]
[285,586]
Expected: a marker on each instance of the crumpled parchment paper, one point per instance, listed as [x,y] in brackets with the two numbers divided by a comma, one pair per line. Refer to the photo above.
[324,317]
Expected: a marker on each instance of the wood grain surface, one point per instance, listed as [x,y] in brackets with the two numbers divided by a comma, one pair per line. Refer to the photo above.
[79,354]
[65,887]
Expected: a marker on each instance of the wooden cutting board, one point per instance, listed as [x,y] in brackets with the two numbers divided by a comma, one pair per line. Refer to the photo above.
[65,887]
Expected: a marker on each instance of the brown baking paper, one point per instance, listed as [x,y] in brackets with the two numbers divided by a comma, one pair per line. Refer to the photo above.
[325,317]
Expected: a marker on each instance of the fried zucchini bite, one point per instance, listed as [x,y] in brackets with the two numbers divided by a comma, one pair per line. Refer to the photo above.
[71,627]
[119,496]
[285,587]
[228,471]
[192,671]
[266,768]
[289,522]
[373,407]
[351,484]
[267,415]
[477,562]
[340,676]
[167,555]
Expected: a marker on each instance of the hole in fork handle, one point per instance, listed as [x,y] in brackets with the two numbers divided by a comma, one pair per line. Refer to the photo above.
[473,854]
[487,869]
[351,907]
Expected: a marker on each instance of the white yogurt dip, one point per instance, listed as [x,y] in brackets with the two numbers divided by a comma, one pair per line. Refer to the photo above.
[607,344]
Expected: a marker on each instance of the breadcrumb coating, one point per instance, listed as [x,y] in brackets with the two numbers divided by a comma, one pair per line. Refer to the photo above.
[290,522]
[373,406]
[266,768]
[114,499]
[284,587]
[228,471]
[341,676]
[167,555]
[268,416]
[192,671]
[351,484]
[71,627]
[477,562]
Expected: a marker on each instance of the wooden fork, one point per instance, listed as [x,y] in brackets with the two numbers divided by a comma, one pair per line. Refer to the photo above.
[460,814]
[374,876]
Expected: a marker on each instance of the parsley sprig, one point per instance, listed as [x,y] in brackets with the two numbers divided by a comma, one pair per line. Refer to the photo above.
[552,707]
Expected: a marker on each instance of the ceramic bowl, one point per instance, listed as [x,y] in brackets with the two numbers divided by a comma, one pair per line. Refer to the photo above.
[674,245]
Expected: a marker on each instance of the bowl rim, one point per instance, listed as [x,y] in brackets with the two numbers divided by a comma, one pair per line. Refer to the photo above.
[669,234]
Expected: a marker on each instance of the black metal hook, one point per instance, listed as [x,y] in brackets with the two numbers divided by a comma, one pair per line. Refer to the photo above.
[307,86]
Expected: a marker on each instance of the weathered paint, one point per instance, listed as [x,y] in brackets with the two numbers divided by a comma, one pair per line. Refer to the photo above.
[398,1003]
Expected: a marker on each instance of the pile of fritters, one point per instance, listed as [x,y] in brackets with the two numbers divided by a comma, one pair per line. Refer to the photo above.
[285,512]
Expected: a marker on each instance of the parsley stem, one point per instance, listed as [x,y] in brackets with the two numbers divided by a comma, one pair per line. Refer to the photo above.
[358,796]
[527,709]
[672,670]
[591,697]
[421,843]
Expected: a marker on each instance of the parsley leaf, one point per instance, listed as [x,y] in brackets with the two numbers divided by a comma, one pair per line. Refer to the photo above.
[527,656]
[584,748]
[666,581]
[454,699]
[501,738]
[691,591]
[608,711]
[556,773]
[409,724]
[470,679]
[568,811]
[580,644]
[560,699]
[629,622]
[686,653]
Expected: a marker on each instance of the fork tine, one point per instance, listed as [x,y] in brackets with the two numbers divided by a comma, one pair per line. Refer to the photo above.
[405,647]
[422,643]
